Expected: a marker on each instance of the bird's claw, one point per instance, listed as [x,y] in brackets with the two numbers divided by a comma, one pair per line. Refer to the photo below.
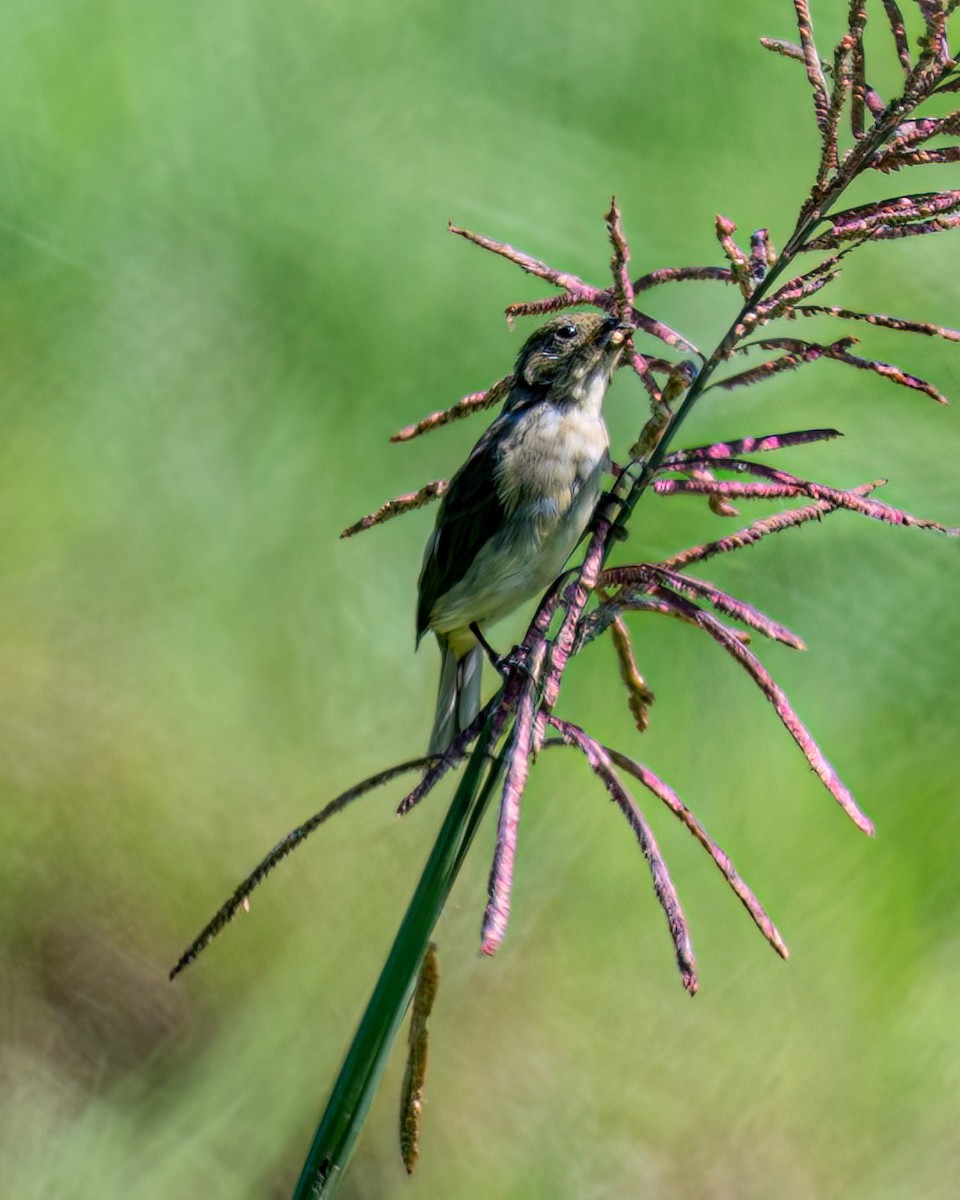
[513,660]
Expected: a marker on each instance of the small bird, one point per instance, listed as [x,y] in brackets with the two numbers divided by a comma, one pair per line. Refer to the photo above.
[515,510]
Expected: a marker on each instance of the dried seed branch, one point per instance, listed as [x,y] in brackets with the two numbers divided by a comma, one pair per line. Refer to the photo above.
[729,605]
[801,353]
[944,224]
[466,407]
[724,863]
[518,769]
[775,366]
[811,59]
[602,766]
[783,484]
[544,306]
[660,330]
[938,156]
[664,604]
[679,274]
[897,28]
[394,508]
[620,263]
[764,527]
[570,283]
[762,254]
[763,310]
[740,265]
[644,367]
[606,297]
[681,459]
[241,895]
[887,371]
[639,696]
[896,216]
[641,579]
[842,87]
[822,767]
[859,90]
[880,320]
[912,133]
[575,600]
[784,48]
[411,1096]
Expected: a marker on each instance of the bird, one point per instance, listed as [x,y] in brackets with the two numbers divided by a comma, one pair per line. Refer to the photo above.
[514,512]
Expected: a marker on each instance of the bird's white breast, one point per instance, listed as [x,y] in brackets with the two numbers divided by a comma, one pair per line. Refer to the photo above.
[554,452]
[549,481]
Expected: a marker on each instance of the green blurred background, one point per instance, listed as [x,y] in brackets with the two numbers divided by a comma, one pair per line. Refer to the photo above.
[224,281]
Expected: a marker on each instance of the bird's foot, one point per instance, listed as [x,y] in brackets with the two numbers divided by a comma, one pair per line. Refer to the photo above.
[513,660]
[501,663]
[610,509]
[491,654]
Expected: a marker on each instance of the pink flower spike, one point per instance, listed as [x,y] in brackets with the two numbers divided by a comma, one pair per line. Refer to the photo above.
[475,402]
[501,873]
[241,897]
[394,508]
[680,459]
[533,266]
[822,768]
[762,528]
[663,885]
[729,606]
[655,785]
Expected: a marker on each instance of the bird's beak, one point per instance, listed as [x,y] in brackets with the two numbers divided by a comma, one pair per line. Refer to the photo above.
[614,332]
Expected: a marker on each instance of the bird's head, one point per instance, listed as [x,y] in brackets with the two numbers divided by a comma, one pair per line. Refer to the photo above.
[563,353]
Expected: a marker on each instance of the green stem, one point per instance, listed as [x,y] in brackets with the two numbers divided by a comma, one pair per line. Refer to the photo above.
[346,1110]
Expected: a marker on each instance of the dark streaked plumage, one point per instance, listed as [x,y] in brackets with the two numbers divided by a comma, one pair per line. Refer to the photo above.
[516,509]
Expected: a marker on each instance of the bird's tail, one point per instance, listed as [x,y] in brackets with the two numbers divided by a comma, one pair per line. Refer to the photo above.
[458,697]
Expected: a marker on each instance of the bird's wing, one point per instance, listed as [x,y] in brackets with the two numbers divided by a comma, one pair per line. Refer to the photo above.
[470,513]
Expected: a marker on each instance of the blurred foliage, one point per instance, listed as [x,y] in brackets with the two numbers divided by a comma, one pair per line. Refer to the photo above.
[224,280]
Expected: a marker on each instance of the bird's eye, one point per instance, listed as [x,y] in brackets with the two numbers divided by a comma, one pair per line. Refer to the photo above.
[566,333]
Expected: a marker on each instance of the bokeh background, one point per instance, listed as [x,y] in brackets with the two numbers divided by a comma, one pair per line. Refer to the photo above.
[224,281]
